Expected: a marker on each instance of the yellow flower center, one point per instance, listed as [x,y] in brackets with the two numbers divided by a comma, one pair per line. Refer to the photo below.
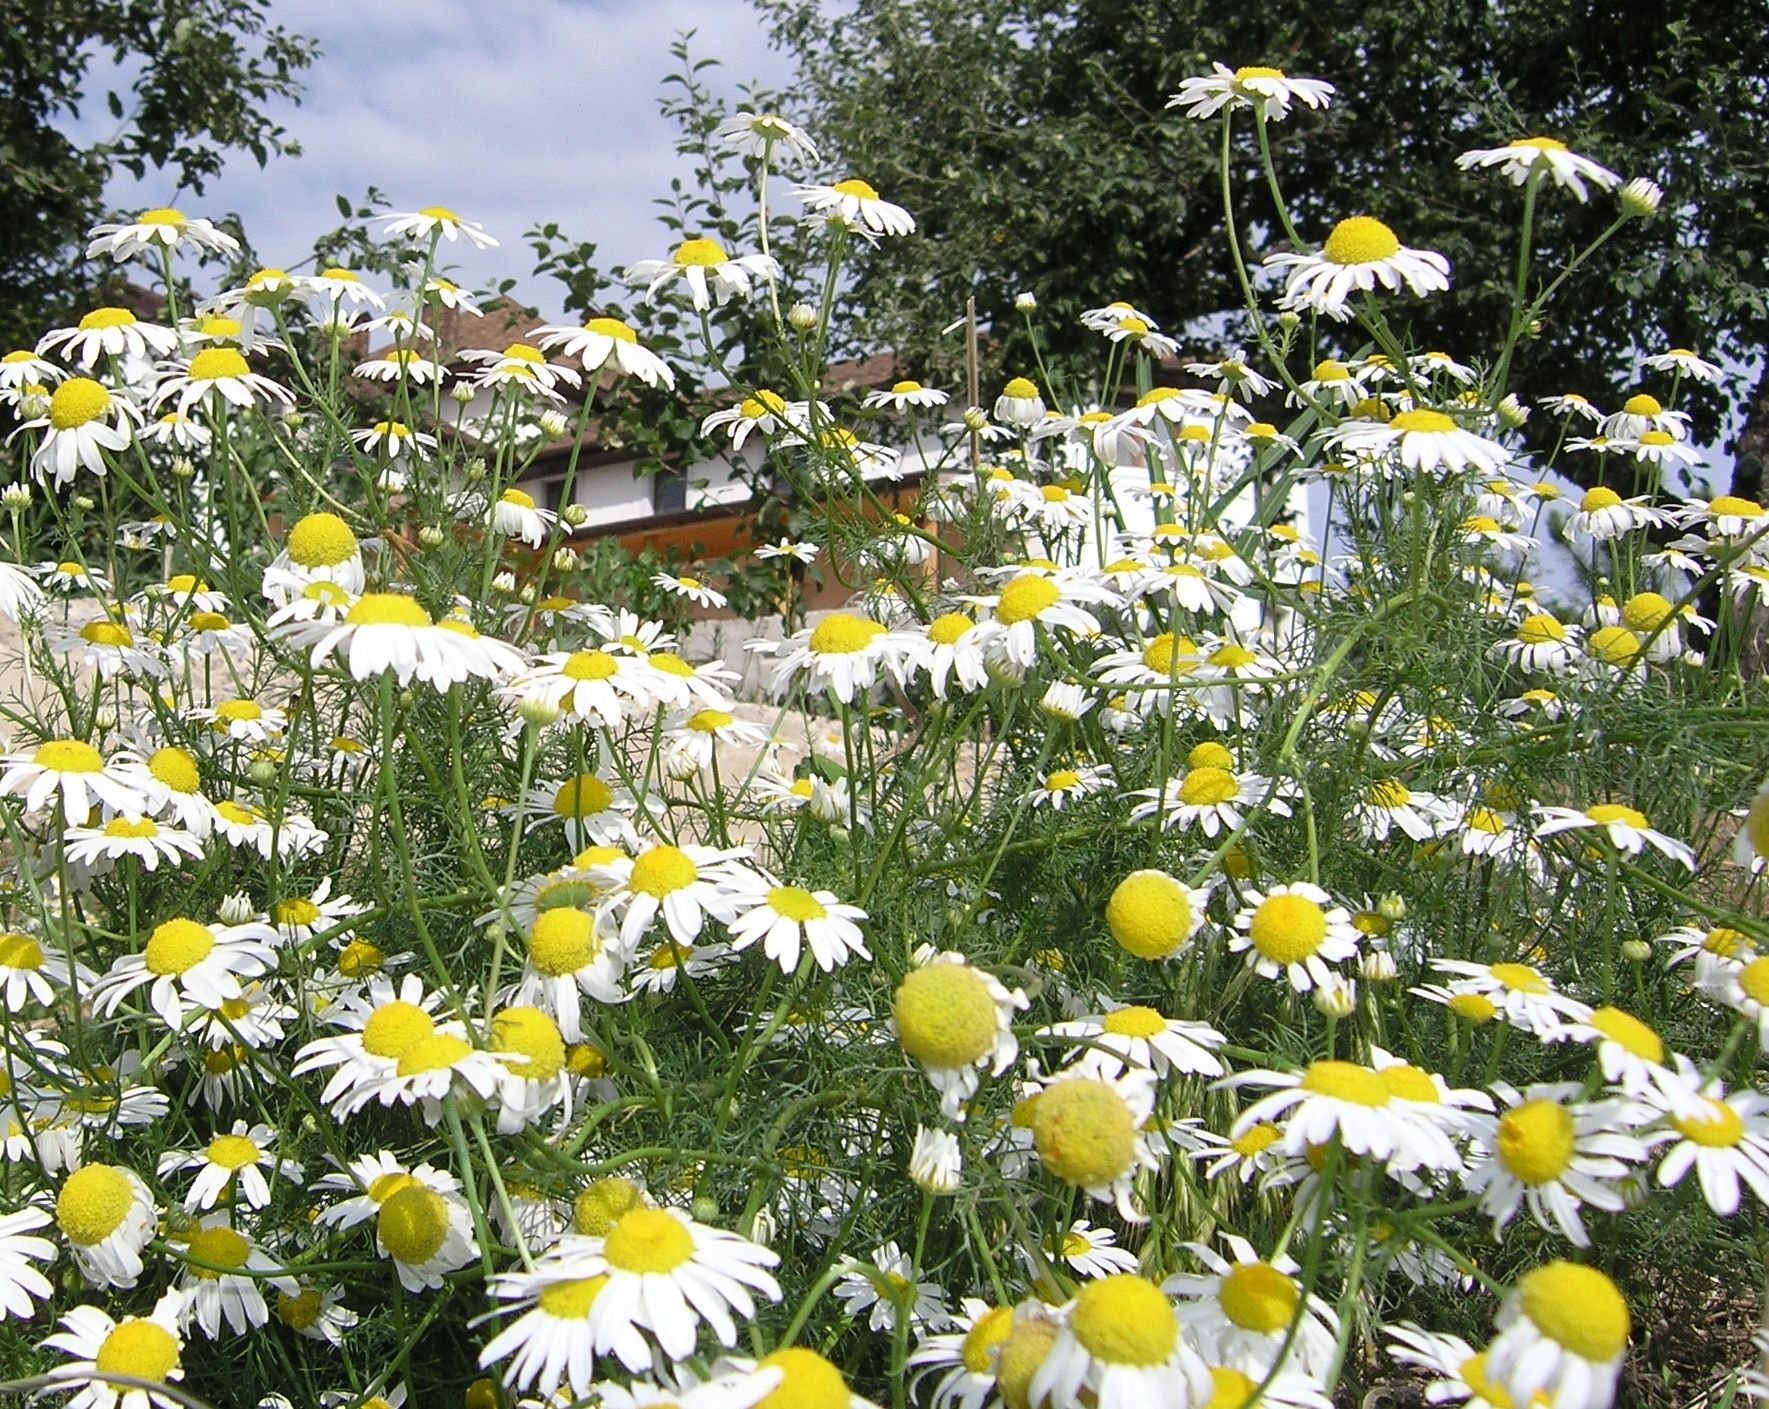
[948,629]
[1062,780]
[139,1348]
[517,499]
[1541,144]
[589,665]
[299,1312]
[359,958]
[1473,1007]
[1232,657]
[858,189]
[1408,1083]
[1125,1320]
[844,634]
[987,1331]
[599,1207]
[648,1240]
[1578,1308]
[1630,1034]
[1361,240]
[233,1151]
[162,215]
[413,1224]
[221,1246]
[93,1204]
[1732,506]
[810,1381]
[1025,597]
[440,212]
[439,1052]
[1134,1021]
[700,254]
[107,633]
[571,1301]
[1083,1132]
[1258,1298]
[214,325]
[20,951]
[101,318]
[662,871]
[178,946]
[387,609]
[583,796]
[1430,422]
[611,328]
[1208,786]
[1541,628]
[562,942]
[1536,1141]
[1717,1128]
[1168,655]
[1599,497]
[1614,645]
[533,1035]
[1288,928]
[299,912]
[1645,612]
[1642,404]
[1255,1140]
[1387,793]
[1518,978]
[68,756]
[394,1028]
[1606,812]
[1346,1081]
[1020,389]
[1150,914]
[239,711]
[77,401]
[1473,1374]
[946,1016]
[214,364]
[795,903]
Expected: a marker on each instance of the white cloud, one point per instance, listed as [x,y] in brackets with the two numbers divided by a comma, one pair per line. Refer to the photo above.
[513,113]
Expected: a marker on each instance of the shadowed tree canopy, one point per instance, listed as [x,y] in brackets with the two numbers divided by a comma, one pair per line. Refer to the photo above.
[1033,144]
[187,84]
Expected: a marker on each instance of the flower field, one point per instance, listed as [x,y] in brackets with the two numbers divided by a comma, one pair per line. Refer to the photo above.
[1204,928]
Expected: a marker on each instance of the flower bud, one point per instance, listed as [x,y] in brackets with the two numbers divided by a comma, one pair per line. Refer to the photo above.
[430,536]
[291,419]
[261,771]
[801,317]
[1636,951]
[553,423]
[461,393]
[1640,198]
[85,502]
[1336,998]
[527,595]
[504,582]
[1065,702]
[1512,413]
[975,418]
[936,1164]
[182,467]
[1392,907]
[16,497]
[1377,966]
[575,515]
[474,470]
[1025,302]
[1289,320]
[567,560]
[235,909]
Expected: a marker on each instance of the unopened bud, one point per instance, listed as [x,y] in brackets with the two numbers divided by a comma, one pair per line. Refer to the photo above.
[261,771]
[182,467]
[1289,320]
[430,536]
[553,423]
[801,317]
[291,419]
[474,470]
[527,595]
[85,502]
[538,711]
[975,418]
[1392,907]
[1636,951]
[936,1164]
[575,515]
[235,909]
[504,582]
[16,497]
[461,393]
[1026,302]
[1512,413]
[1336,998]
[705,1210]
[567,560]
[1377,966]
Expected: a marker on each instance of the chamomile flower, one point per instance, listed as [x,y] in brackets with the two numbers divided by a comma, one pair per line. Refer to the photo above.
[235,1162]
[963,1358]
[1063,787]
[21,1284]
[110,332]
[1524,157]
[107,1216]
[157,230]
[1154,916]
[956,1020]
[1554,1154]
[1603,515]
[1091,1250]
[880,1286]
[530,1045]
[187,964]
[758,134]
[1427,441]
[712,276]
[1088,1127]
[1684,363]
[95,850]
[1723,1137]
[396,364]
[1033,599]
[335,292]
[1460,1370]
[1210,795]
[224,1279]
[1140,1036]
[1625,828]
[84,421]
[1360,254]
[1563,1333]
[427,1235]
[389,632]
[436,220]
[693,588]
[75,773]
[1119,1345]
[146,1348]
[31,973]
[843,654]
[433,1069]
[855,205]
[570,953]
[316,1313]
[1522,994]
[1293,932]
[785,919]
[903,395]
[515,515]
[1350,1102]
[219,372]
[1247,1307]
[1256,86]
[605,342]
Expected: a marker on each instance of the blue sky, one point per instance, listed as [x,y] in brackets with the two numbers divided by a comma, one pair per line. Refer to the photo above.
[511,112]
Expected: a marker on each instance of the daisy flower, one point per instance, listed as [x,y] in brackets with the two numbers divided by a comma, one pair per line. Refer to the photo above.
[1247,1307]
[684,885]
[431,1070]
[1542,643]
[1153,916]
[224,1279]
[603,342]
[1268,90]
[757,134]
[187,963]
[96,849]
[156,230]
[235,1162]
[1603,514]
[712,276]
[298,918]
[532,1049]
[1089,1129]
[766,412]
[1353,1103]
[436,220]
[1360,253]
[597,686]
[219,372]
[664,1275]
[29,972]
[21,1284]
[1293,932]
[693,588]
[1119,1346]
[903,395]
[955,1020]
[108,1216]
[110,332]
[1031,599]
[316,1313]
[1554,1154]
[371,1180]
[855,205]
[887,1283]
[963,1358]
[1626,829]
[84,421]
[390,632]
[1724,1138]
[569,954]
[1091,1251]
[1140,1036]
[1062,786]
[328,291]
[1425,441]
[1387,805]
[76,772]
[395,364]
[426,1234]
[1563,1332]
[1524,157]
[147,1348]
[786,918]
[1460,1370]
[1523,995]
[843,654]
[1684,363]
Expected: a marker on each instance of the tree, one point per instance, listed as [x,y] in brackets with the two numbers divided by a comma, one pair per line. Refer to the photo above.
[1033,145]
[195,76]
